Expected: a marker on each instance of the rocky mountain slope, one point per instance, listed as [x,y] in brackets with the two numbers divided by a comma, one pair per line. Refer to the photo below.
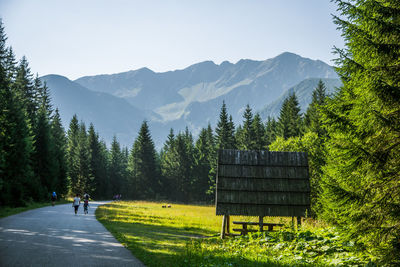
[118,103]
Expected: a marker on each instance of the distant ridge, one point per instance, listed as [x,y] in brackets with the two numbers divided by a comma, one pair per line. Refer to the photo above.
[193,96]
[303,92]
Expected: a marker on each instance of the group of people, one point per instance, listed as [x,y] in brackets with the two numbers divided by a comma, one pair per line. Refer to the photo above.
[117,197]
[77,203]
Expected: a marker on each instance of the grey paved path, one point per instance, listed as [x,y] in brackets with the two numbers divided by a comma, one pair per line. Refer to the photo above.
[54,236]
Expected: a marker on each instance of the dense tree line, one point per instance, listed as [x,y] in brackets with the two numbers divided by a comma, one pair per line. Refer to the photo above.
[352,139]
[32,139]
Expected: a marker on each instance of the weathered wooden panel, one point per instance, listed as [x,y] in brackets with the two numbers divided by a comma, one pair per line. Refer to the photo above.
[262,210]
[262,183]
[259,171]
[274,198]
[267,185]
[264,158]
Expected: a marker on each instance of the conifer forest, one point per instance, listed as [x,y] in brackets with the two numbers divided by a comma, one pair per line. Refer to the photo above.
[352,138]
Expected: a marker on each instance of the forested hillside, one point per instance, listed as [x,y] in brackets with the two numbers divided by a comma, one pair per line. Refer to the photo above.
[352,138]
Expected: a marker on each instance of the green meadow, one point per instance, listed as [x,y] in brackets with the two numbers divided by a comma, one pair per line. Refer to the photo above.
[188,235]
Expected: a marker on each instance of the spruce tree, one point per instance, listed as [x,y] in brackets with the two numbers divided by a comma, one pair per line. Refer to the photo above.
[143,165]
[168,165]
[117,171]
[85,179]
[60,155]
[259,133]
[270,131]
[312,118]
[25,86]
[97,172]
[204,157]
[246,135]
[224,137]
[10,65]
[73,154]
[17,182]
[290,122]
[44,160]
[362,175]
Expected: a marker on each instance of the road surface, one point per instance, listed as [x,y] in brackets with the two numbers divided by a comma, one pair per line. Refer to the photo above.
[55,236]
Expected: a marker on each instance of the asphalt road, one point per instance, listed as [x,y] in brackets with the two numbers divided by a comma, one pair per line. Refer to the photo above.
[55,236]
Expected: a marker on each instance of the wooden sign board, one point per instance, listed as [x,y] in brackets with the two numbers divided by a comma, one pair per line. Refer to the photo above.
[262,183]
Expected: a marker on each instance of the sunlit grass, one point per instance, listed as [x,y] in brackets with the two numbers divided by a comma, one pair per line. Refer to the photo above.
[188,235]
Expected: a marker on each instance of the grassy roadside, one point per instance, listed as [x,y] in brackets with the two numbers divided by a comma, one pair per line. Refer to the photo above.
[187,235]
[7,211]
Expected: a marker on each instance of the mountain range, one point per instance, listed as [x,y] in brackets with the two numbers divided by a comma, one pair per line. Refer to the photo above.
[118,103]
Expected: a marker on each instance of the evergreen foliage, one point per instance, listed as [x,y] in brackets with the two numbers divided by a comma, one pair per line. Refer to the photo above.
[246,135]
[43,156]
[204,157]
[144,172]
[312,118]
[25,86]
[224,133]
[17,182]
[290,122]
[60,155]
[259,142]
[73,154]
[270,131]
[117,169]
[362,175]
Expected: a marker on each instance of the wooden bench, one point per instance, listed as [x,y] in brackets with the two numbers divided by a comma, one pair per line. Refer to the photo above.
[245,230]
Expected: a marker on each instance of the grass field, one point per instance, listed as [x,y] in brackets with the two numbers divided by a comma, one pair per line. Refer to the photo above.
[188,235]
[7,211]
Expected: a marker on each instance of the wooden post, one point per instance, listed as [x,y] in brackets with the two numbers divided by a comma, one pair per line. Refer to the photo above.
[227,224]
[223,227]
[298,222]
[260,223]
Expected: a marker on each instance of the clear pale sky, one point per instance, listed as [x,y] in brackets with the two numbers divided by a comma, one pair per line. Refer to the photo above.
[75,38]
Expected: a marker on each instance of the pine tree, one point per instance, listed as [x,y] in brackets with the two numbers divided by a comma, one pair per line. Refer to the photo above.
[246,135]
[167,165]
[290,122]
[270,131]
[10,65]
[60,155]
[17,183]
[25,86]
[144,172]
[85,179]
[97,169]
[259,133]
[45,165]
[312,119]
[177,165]
[204,157]
[43,96]
[117,172]
[44,161]
[362,175]
[73,154]
[224,137]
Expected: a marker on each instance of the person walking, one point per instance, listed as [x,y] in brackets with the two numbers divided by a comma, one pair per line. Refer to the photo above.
[77,202]
[86,206]
[86,203]
[53,198]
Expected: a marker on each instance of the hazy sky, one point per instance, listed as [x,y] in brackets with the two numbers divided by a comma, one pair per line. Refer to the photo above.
[85,37]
